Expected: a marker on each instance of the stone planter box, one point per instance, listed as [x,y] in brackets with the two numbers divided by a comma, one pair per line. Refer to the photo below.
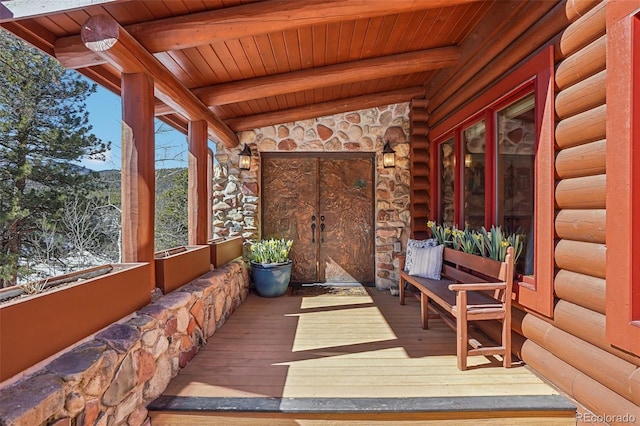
[70,308]
[178,266]
[224,250]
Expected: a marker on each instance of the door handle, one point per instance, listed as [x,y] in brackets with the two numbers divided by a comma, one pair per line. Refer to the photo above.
[322,232]
[313,232]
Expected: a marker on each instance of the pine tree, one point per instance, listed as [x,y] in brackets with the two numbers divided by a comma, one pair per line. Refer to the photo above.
[43,130]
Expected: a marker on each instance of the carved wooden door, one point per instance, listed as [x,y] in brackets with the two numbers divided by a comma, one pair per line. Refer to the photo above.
[325,205]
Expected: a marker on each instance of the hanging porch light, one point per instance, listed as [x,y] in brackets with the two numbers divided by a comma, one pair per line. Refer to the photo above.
[244,162]
[388,156]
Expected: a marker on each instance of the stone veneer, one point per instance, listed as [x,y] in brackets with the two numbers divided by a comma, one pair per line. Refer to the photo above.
[110,379]
[237,193]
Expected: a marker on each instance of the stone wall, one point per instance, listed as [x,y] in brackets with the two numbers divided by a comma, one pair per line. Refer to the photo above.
[237,193]
[110,379]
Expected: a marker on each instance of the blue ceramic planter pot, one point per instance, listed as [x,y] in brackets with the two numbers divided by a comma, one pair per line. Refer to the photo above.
[271,279]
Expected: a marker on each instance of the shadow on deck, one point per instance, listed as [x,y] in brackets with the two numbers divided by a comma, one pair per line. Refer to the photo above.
[347,358]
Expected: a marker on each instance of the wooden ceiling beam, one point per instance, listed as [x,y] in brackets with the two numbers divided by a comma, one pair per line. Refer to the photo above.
[248,20]
[332,75]
[103,35]
[371,100]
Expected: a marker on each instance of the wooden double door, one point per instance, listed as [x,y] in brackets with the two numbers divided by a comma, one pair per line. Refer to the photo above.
[324,203]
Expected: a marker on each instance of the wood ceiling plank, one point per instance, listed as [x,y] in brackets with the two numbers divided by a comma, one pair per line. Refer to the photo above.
[23,9]
[397,35]
[239,55]
[280,52]
[344,42]
[305,39]
[268,60]
[413,39]
[357,41]
[227,60]
[368,48]
[293,49]
[387,36]
[326,108]
[35,34]
[173,62]
[467,20]
[271,16]
[222,75]
[332,43]
[198,66]
[319,45]
[104,35]
[253,57]
[430,34]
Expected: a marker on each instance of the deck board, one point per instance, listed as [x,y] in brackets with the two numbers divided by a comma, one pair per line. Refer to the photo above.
[341,346]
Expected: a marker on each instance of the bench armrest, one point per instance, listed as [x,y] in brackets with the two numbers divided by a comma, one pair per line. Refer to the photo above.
[402,258]
[477,286]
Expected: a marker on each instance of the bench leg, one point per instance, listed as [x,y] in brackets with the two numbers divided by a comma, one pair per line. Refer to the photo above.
[424,310]
[401,290]
[461,330]
[506,340]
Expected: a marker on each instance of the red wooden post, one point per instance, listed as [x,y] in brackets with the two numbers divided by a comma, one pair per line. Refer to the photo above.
[198,188]
[138,170]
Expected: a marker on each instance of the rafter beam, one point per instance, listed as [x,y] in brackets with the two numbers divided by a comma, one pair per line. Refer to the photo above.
[22,9]
[326,108]
[248,20]
[332,75]
[103,35]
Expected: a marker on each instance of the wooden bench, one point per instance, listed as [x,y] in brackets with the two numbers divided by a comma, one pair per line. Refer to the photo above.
[472,288]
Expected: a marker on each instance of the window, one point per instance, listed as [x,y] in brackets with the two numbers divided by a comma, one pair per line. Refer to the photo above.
[447,164]
[495,159]
[473,144]
[515,163]
[623,176]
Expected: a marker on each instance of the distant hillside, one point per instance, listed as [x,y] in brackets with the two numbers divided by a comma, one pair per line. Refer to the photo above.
[165,180]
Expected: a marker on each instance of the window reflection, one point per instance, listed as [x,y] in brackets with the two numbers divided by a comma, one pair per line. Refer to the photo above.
[515,168]
[447,163]
[473,141]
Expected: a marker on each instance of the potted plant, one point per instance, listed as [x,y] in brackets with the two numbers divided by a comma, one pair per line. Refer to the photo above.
[270,266]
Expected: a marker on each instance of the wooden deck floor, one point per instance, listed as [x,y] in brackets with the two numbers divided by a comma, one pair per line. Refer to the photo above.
[341,347]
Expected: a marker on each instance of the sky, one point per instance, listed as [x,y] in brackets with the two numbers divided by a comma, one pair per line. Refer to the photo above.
[105,116]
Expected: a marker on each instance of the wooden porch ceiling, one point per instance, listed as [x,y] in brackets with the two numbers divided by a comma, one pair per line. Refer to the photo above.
[254,63]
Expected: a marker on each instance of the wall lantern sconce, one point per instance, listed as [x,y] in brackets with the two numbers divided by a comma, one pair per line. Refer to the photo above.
[388,156]
[245,158]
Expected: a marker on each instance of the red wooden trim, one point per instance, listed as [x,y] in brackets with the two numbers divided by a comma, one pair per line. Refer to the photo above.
[540,298]
[210,166]
[623,212]
[635,141]
[537,71]
[490,169]
[458,183]
[434,166]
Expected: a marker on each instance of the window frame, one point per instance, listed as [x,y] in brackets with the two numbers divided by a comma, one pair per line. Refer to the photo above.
[537,73]
[623,176]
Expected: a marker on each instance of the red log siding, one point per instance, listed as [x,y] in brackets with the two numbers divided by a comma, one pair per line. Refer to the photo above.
[578,348]
[623,163]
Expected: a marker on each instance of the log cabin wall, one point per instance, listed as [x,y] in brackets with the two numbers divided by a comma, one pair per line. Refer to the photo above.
[419,157]
[571,349]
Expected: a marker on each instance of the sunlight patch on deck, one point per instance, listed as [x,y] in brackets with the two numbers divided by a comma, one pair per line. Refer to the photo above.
[345,326]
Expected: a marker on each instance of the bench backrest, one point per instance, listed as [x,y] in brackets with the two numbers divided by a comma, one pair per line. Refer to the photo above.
[469,268]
